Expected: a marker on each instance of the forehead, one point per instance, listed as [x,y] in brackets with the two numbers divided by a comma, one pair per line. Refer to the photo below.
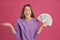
[27,7]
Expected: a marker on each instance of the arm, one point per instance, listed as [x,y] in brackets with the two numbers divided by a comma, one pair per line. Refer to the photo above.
[43,26]
[13,30]
[10,25]
[40,29]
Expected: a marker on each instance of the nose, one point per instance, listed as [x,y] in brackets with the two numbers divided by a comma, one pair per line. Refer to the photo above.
[27,11]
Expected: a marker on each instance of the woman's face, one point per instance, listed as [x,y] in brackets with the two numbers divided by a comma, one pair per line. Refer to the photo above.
[27,12]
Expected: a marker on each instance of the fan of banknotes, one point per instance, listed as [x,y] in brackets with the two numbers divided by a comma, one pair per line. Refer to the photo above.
[45,17]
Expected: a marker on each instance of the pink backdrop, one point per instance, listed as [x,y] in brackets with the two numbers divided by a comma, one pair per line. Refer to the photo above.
[10,10]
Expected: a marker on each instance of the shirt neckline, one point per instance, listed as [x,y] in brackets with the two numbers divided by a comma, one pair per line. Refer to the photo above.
[29,20]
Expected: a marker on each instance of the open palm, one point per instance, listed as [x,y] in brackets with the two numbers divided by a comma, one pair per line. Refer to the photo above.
[6,24]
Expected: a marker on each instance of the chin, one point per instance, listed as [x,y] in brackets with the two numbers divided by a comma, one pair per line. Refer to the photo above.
[28,16]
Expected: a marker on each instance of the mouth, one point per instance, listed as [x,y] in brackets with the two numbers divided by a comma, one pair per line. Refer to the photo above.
[27,14]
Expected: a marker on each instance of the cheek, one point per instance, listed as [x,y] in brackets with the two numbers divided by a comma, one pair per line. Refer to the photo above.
[30,12]
[24,12]
[27,13]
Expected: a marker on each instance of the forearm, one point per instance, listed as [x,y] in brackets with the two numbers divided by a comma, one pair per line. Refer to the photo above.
[13,30]
[9,25]
[40,29]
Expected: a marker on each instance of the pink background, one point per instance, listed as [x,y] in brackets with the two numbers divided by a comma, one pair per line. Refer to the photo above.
[10,10]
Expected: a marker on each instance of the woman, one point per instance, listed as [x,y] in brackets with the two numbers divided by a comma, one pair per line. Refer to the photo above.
[27,25]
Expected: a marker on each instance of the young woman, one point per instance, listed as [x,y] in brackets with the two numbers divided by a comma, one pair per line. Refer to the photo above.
[27,25]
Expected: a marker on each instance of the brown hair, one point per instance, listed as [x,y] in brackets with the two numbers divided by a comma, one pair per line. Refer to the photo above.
[22,14]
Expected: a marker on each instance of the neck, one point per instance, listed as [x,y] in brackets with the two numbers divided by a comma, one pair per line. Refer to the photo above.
[28,19]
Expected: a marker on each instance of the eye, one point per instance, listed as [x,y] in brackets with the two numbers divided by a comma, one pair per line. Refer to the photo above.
[29,10]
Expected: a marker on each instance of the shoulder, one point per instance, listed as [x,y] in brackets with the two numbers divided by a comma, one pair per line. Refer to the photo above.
[19,20]
[35,19]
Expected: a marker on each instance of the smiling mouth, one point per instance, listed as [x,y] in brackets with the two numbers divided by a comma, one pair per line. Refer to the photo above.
[27,14]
